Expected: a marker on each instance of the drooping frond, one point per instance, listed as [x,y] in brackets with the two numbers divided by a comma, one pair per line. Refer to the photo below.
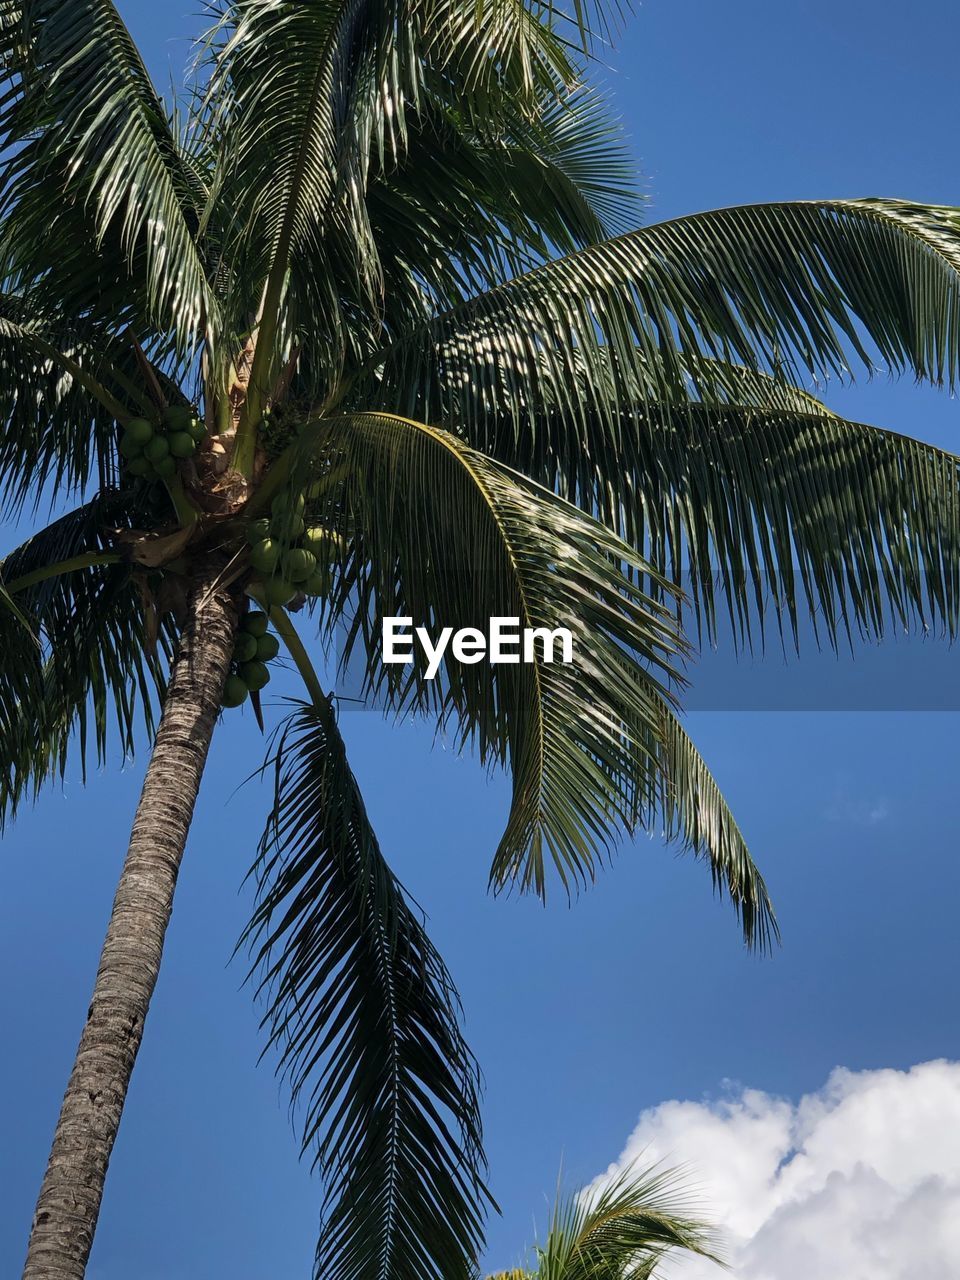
[83,663]
[365,1020]
[448,538]
[781,288]
[92,168]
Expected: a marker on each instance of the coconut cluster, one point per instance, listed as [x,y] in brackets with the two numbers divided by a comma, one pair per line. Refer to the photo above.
[287,556]
[253,648]
[152,450]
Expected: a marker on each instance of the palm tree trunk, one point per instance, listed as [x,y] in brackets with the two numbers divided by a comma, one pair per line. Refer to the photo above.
[69,1202]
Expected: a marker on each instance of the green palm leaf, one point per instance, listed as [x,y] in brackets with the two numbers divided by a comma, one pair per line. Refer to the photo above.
[85,663]
[365,1019]
[447,537]
[312,99]
[62,390]
[781,287]
[765,502]
[622,1232]
[91,166]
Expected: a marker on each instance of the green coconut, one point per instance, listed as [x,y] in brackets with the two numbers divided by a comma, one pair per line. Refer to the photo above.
[294,504]
[139,467]
[299,564]
[287,526]
[254,675]
[197,429]
[268,647]
[255,623]
[324,543]
[258,531]
[166,468]
[265,556]
[182,444]
[278,591]
[177,417]
[318,584]
[129,448]
[245,647]
[156,449]
[140,431]
[235,691]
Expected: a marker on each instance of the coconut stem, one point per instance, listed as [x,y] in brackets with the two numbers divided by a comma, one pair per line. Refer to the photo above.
[288,634]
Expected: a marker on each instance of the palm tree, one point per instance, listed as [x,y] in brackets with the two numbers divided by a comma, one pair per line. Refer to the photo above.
[622,1232]
[360,324]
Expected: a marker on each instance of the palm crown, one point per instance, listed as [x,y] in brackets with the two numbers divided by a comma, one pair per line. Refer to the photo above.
[623,1230]
[385,252]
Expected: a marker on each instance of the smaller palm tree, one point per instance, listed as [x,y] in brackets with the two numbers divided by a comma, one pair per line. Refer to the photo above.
[623,1233]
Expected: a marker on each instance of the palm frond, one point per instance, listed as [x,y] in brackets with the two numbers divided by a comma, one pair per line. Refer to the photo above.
[62,390]
[764,502]
[316,99]
[91,166]
[446,537]
[86,661]
[555,177]
[787,289]
[365,1019]
[622,1232]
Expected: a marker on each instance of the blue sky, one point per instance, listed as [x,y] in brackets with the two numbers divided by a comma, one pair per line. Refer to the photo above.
[583,1017]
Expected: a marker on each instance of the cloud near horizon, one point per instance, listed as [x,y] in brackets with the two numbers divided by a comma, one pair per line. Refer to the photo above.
[858,1181]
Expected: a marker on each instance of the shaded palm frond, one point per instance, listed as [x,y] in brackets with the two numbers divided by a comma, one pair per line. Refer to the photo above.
[91,166]
[62,388]
[86,662]
[365,1020]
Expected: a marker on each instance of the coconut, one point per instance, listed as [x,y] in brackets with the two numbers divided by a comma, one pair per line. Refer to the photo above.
[265,556]
[129,448]
[139,430]
[268,647]
[324,543]
[197,429]
[278,591]
[295,504]
[287,526]
[182,444]
[299,564]
[177,417]
[245,647]
[235,691]
[318,584]
[139,467]
[255,623]
[166,468]
[156,449]
[254,675]
[258,531]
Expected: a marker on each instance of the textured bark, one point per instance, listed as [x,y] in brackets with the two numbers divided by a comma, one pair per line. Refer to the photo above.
[69,1202]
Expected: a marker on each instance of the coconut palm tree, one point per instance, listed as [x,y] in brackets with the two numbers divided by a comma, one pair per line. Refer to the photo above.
[361,326]
[624,1231]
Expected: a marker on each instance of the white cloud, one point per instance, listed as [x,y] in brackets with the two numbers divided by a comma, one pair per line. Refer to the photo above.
[859,1181]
